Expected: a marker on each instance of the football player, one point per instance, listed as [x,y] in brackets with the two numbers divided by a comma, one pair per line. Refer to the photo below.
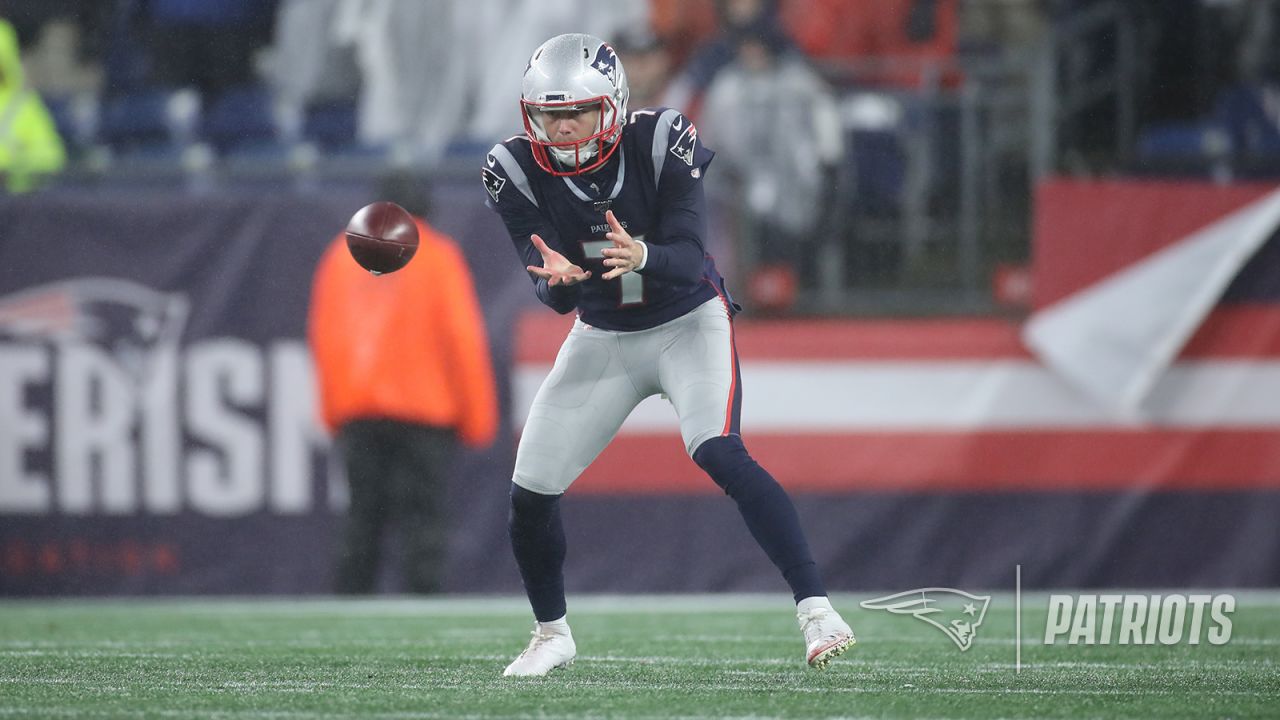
[606,209]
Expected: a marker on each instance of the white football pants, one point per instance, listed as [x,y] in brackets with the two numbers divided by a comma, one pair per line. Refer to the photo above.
[601,375]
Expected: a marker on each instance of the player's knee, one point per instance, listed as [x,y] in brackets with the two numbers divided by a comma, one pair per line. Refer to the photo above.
[726,460]
[724,453]
[530,508]
[537,481]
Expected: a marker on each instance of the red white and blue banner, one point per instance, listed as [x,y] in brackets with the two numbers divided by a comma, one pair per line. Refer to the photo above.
[1130,374]
[958,405]
[157,429]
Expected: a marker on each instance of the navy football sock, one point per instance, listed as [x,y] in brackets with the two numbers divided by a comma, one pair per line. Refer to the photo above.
[766,508]
[537,538]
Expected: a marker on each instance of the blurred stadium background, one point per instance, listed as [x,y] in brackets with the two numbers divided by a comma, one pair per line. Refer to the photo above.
[1026,313]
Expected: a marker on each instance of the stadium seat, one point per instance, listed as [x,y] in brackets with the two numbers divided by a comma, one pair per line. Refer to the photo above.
[240,120]
[61,109]
[879,130]
[1182,141]
[1248,117]
[878,166]
[467,148]
[1197,148]
[140,120]
[331,125]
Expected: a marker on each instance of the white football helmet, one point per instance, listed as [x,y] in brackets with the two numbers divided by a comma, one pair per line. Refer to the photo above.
[574,71]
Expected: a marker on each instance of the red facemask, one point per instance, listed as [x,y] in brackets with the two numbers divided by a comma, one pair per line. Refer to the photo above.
[573,157]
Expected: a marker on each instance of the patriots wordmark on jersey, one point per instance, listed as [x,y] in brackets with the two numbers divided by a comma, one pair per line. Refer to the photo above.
[653,186]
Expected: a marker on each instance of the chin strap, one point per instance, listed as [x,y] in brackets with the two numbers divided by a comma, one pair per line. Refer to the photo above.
[585,157]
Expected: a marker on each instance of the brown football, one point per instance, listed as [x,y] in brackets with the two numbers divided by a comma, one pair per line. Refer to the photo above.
[382,237]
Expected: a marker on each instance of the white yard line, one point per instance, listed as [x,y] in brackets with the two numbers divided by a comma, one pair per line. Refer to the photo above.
[579,603]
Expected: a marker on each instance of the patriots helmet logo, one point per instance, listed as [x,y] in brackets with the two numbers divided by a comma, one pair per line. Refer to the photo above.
[954,612]
[684,145]
[606,63]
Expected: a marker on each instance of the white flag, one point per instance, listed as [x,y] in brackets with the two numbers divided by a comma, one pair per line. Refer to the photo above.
[1114,338]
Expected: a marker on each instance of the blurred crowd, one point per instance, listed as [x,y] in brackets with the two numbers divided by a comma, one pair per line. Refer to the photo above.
[424,76]
[429,77]
[787,91]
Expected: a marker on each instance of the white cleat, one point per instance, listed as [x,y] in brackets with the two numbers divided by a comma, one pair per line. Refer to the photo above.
[826,635]
[549,649]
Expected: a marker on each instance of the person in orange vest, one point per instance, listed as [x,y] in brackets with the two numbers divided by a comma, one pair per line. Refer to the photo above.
[404,373]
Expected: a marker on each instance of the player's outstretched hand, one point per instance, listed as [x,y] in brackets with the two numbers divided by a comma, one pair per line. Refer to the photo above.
[556,268]
[625,255]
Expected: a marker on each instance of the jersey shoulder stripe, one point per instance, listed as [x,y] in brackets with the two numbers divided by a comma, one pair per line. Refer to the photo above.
[661,134]
[501,158]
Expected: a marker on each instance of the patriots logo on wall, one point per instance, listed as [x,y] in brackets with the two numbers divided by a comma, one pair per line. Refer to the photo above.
[493,182]
[606,62]
[128,321]
[683,147]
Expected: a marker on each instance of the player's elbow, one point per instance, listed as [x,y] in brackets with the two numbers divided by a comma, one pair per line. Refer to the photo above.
[560,304]
[686,273]
[680,261]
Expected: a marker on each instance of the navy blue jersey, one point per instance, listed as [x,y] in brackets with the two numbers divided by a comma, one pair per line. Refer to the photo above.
[653,185]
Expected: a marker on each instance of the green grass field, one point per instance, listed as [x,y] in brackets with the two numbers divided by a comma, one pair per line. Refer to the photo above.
[639,657]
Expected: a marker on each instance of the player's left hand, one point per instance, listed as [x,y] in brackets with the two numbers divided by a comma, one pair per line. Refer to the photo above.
[625,255]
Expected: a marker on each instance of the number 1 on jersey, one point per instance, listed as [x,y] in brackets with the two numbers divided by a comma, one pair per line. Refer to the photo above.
[632,282]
